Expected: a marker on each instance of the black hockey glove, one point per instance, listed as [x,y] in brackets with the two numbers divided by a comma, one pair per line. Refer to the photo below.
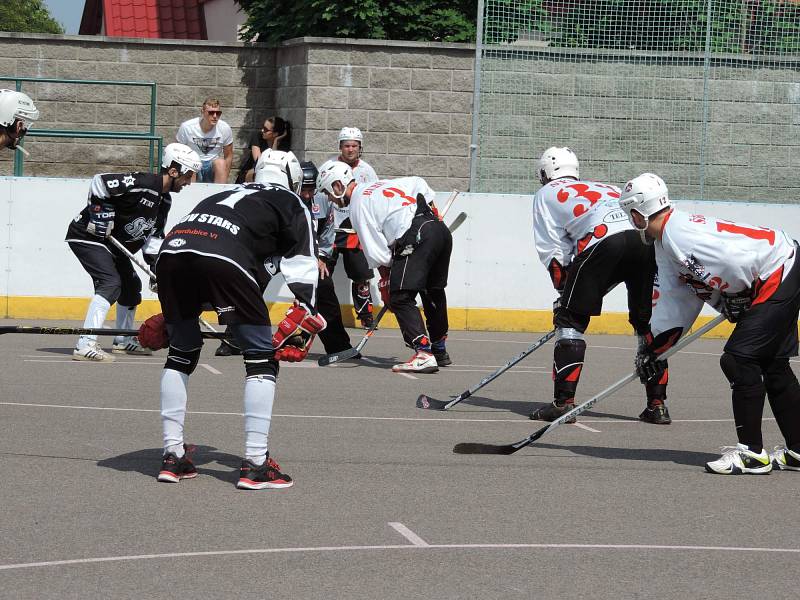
[733,307]
[647,364]
[101,220]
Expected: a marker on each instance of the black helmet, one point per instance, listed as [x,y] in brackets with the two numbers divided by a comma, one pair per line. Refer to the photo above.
[310,173]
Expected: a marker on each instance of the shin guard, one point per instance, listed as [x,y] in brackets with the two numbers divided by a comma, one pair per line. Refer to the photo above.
[567,364]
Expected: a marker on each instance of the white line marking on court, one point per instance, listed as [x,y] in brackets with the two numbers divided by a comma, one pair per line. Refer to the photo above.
[409,375]
[623,547]
[408,534]
[135,361]
[587,428]
[518,421]
[210,369]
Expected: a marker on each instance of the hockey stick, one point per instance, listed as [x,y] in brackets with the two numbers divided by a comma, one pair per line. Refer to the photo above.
[146,269]
[457,222]
[478,448]
[329,359]
[86,331]
[433,404]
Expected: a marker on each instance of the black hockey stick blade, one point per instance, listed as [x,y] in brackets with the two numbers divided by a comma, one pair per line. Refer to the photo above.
[457,222]
[431,403]
[478,448]
[329,359]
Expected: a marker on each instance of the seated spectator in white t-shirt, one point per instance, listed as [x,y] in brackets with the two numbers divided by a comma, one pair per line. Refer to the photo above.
[212,139]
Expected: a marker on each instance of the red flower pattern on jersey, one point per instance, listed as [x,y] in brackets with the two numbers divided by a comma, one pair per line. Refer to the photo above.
[582,191]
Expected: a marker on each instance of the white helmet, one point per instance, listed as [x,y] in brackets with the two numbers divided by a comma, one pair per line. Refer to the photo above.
[187,158]
[331,172]
[16,105]
[646,194]
[350,133]
[280,168]
[557,162]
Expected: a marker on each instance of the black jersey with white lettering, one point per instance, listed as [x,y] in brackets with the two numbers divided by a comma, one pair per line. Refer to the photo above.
[249,225]
[140,207]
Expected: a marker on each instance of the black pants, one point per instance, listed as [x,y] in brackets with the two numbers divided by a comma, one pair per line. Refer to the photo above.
[112,273]
[621,257]
[421,265]
[334,337]
[359,273]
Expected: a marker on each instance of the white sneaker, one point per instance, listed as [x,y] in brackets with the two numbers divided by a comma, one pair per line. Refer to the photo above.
[785,459]
[739,459]
[421,362]
[92,353]
[129,345]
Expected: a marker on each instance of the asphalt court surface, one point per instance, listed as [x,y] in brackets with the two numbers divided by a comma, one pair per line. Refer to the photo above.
[381,507]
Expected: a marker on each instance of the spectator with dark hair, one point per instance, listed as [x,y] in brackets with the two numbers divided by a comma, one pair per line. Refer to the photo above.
[275,134]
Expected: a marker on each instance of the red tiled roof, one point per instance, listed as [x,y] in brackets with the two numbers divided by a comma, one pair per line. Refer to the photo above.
[165,19]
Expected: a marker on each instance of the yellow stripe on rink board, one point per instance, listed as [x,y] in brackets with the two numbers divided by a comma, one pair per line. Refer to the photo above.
[472,319]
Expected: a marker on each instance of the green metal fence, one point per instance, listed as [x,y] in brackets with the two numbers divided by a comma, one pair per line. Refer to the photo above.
[156,142]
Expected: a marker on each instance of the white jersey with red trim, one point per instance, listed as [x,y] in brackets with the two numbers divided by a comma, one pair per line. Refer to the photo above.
[382,212]
[699,258]
[571,215]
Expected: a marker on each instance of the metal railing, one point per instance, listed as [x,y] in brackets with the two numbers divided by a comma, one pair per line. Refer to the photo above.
[156,142]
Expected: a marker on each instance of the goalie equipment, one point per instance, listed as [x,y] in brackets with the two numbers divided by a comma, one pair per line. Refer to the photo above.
[182,158]
[350,133]
[557,162]
[331,172]
[153,333]
[280,168]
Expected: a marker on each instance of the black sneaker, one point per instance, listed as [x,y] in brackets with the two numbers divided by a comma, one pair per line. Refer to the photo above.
[227,350]
[268,475]
[442,359]
[657,414]
[173,469]
[553,411]
[367,323]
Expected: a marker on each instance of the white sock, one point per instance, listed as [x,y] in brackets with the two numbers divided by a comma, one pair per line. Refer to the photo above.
[95,317]
[174,395]
[125,317]
[259,396]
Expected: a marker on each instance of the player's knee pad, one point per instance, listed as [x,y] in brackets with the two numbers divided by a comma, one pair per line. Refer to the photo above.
[260,363]
[184,361]
[741,372]
[779,377]
[131,292]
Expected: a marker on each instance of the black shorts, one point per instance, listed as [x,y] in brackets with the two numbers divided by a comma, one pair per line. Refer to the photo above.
[187,281]
[621,257]
[112,273]
[428,264]
[769,330]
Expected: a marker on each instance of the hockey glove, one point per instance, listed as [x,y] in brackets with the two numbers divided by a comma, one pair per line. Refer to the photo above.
[295,333]
[101,220]
[153,333]
[648,366]
[733,307]
[383,286]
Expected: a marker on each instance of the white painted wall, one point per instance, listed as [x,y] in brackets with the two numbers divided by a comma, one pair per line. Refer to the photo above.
[493,264]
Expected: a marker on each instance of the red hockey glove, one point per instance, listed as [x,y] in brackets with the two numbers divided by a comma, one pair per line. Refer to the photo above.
[297,321]
[383,286]
[153,333]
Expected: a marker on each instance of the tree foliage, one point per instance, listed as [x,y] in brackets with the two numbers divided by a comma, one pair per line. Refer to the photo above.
[27,16]
[421,20]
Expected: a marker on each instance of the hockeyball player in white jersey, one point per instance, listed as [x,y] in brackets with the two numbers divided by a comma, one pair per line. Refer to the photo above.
[588,246]
[755,283]
[410,246]
[334,244]
[17,115]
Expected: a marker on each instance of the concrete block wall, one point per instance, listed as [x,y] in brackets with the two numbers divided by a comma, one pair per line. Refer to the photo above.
[412,100]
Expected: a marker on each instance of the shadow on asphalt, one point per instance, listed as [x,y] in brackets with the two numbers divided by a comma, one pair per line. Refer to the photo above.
[525,408]
[148,461]
[680,457]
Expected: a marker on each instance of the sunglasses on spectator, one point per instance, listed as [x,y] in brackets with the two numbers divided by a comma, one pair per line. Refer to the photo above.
[266,129]
[214,112]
